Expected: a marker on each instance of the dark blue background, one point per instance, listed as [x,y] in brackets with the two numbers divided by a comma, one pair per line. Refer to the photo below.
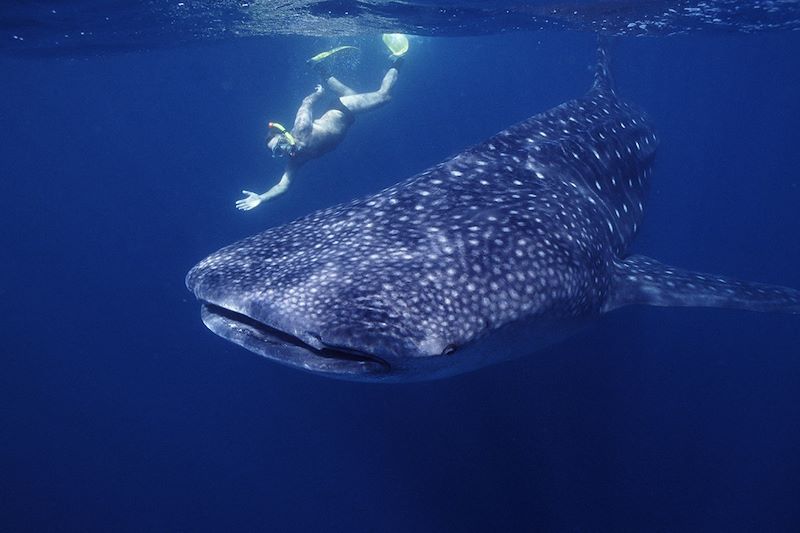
[121,412]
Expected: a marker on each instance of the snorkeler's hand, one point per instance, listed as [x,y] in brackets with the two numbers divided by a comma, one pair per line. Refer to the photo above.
[319,89]
[250,201]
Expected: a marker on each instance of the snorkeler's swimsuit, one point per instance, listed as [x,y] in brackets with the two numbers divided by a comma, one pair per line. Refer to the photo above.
[349,116]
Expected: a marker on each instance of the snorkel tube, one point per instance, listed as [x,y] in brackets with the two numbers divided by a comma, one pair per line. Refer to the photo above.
[278,127]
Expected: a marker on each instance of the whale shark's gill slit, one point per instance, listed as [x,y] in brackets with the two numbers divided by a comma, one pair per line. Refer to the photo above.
[282,337]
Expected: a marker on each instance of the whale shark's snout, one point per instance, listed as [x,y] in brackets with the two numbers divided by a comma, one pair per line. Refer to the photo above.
[345,331]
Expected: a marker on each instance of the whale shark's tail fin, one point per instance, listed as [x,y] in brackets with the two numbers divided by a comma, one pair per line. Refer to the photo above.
[603,82]
[641,280]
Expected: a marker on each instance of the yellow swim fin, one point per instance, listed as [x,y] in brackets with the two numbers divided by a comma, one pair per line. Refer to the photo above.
[397,43]
[324,55]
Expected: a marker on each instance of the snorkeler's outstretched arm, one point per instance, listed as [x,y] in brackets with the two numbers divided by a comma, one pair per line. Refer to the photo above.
[253,200]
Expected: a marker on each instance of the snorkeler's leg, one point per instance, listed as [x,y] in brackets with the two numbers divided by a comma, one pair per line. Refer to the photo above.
[253,200]
[305,117]
[358,103]
[338,87]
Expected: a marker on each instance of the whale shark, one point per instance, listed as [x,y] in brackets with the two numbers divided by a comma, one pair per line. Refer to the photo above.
[500,250]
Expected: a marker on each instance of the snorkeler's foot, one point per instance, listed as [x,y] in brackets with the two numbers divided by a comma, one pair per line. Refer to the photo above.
[320,61]
[322,56]
[397,43]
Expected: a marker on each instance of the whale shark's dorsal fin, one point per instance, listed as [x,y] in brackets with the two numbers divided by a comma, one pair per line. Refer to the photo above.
[603,82]
[641,280]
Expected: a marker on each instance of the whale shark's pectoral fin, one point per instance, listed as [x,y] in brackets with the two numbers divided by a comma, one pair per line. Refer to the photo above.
[641,280]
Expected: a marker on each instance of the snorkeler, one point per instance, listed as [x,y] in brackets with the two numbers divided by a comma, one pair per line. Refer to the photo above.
[310,138]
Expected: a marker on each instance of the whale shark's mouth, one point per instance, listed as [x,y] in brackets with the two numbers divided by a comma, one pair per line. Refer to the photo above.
[288,349]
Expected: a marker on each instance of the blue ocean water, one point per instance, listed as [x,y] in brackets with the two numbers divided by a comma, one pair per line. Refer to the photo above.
[120,411]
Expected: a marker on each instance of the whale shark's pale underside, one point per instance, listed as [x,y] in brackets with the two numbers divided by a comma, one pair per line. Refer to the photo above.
[485,257]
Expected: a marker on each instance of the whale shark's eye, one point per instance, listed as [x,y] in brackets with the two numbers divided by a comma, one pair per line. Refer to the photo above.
[450,348]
